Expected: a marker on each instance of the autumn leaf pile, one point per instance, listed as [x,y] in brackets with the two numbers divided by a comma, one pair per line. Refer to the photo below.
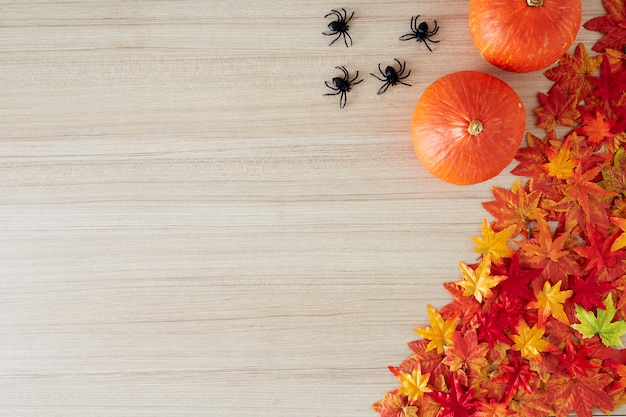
[535,325]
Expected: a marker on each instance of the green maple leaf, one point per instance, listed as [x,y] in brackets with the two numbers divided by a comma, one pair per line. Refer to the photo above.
[601,323]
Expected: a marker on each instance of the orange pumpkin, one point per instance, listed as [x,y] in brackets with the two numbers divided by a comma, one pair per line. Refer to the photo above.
[467,127]
[524,35]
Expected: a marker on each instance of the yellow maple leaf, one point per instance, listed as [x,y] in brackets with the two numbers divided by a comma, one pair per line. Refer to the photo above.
[561,165]
[479,282]
[439,334]
[529,341]
[494,243]
[550,302]
[414,383]
[620,242]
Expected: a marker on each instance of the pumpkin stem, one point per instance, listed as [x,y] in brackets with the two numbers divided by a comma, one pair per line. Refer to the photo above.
[475,127]
[534,3]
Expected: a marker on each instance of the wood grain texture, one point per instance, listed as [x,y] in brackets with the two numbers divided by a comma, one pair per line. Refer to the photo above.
[188,227]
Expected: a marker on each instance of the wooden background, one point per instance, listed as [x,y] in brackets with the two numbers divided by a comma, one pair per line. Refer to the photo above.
[190,228]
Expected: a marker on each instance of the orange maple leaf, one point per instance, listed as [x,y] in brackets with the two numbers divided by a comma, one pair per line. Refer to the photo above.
[571,74]
[466,353]
[544,247]
[515,207]
[595,127]
[394,405]
[581,187]
[579,394]
[493,409]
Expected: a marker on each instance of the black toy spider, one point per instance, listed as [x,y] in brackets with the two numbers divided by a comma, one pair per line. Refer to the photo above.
[420,32]
[391,76]
[342,85]
[339,27]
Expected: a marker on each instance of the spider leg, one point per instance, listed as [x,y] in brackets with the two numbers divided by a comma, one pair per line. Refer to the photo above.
[345,72]
[381,72]
[414,23]
[333,94]
[403,83]
[408,37]
[334,40]
[332,87]
[377,77]
[383,88]
[349,18]
[334,13]
[342,100]
[406,76]
[401,66]
[435,29]
[426,43]
[347,36]
[353,82]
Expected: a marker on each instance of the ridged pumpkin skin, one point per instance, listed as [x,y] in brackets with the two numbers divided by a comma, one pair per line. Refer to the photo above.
[441,127]
[517,37]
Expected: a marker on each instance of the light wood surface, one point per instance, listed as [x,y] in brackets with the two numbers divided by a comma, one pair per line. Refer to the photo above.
[189,227]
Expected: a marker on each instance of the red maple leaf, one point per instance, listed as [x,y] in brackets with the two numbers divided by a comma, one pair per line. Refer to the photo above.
[609,85]
[571,75]
[517,285]
[457,402]
[598,251]
[579,393]
[516,376]
[612,25]
[617,59]
[556,108]
[532,158]
[575,360]
[498,318]
[588,292]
